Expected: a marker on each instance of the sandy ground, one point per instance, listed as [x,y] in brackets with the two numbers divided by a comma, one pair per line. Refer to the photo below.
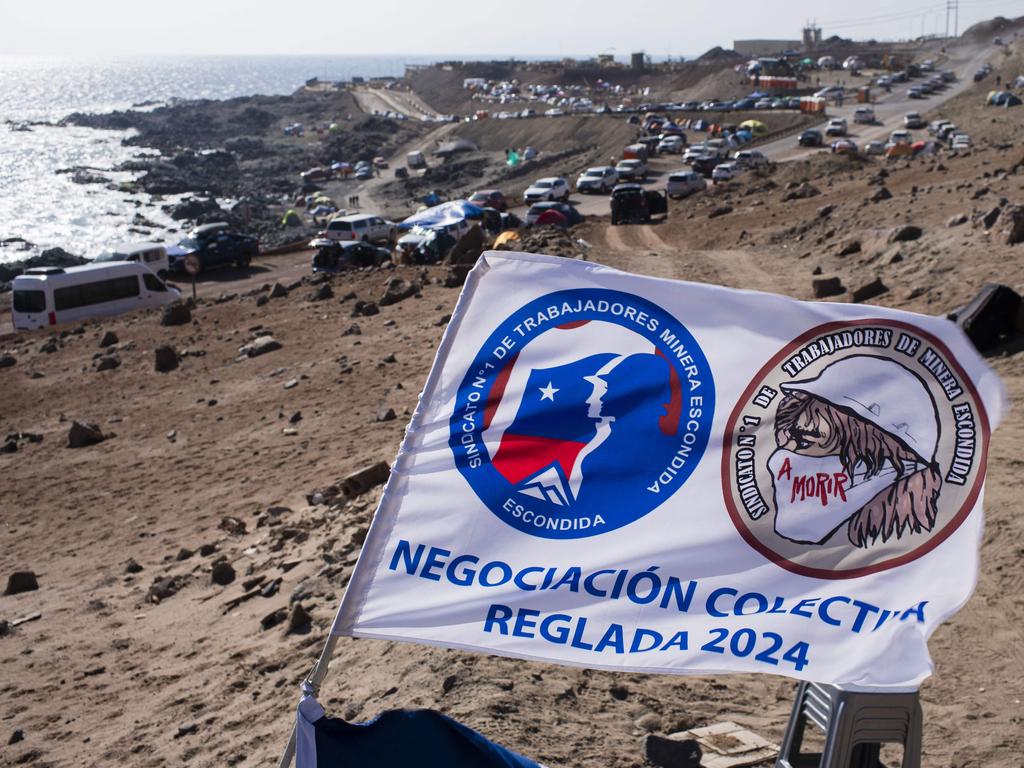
[109,674]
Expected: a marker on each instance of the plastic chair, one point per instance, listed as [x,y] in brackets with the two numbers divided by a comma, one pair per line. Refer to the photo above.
[855,725]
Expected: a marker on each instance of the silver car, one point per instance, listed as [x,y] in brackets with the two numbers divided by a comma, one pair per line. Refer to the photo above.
[599,179]
[684,183]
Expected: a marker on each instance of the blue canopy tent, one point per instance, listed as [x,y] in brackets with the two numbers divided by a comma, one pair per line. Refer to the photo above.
[444,214]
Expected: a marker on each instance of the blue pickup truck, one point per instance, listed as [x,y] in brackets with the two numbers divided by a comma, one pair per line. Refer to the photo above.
[215,246]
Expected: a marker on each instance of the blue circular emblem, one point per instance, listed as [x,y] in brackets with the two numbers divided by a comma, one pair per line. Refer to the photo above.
[583,411]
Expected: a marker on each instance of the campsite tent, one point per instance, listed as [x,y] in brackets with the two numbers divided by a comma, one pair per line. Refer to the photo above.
[444,214]
[756,127]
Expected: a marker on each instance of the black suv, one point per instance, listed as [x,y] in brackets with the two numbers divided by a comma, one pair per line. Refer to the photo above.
[811,138]
[215,246]
[631,203]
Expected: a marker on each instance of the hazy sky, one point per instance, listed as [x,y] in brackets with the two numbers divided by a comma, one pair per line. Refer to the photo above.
[659,27]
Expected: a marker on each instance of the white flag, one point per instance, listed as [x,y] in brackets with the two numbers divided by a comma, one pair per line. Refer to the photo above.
[628,473]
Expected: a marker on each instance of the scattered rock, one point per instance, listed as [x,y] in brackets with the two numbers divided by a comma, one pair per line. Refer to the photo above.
[650,722]
[222,573]
[721,210]
[11,446]
[291,384]
[455,277]
[386,414]
[259,346]
[278,291]
[232,525]
[869,290]
[956,221]
[184,554]
[165,587]
[990,218]
[49,346]
[299,620]
[398,289]
[16,736]
[365,309]
[849,246]
[672,753]
[619,692]
[132,566]
[82,435]
[322,293]
[6,361]
[5,627]
[389,358]
[262,299]
[21,581]
[1013,232]
[365,479]
[905,233]
[882,193]
[108,363]
[165,358]
[274,618]
[801,192]
[826,211]
[353,330]
[109,339]
[176,313]
[186,730]
[824,287]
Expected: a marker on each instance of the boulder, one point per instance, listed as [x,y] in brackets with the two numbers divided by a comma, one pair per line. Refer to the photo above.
[165,358]
[801,192]
[849,246]
[990,218]
[905,233]
[672,753]
[6,361]
[386,414]
[365,309]
[82,435]
[1013,231]
[721,210]
[956,221]
[109,339]
[398,289]
[222,573]
[259,346]
[468,248]
[322,293]
[827,286]
[869,291]
[353,330]
[278,291]
[880,194]
[164,587]
[108,363]
[455,277]
[21,581]
[176,313]
[299,620]
[363,480]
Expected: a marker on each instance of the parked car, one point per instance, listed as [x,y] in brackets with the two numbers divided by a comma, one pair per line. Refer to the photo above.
[415,160]
[874,148]
[315,175]
[913,121]
[598,179]
[362,226]
[215,246]
[706,164]
[694,151]
[489,198]
[554,112]
[936,125]
[671,145]
[946,131]
[631,203]
[810,138]
[844,147]
[719,146]
[864,115]
[43,296]
[901,137]
[550,188]
[836,127]
[632,170]
[750,158]
[960,141]
[725,171]
[684,183]
[364,172]
[335,256]
[572,216]
[915,93]
[153,255]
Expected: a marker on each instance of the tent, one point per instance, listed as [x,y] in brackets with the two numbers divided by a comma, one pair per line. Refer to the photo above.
[756,127]
[1011,101]
[442,215]
[552,217]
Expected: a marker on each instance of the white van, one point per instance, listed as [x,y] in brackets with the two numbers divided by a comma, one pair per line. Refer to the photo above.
[153,255]
[50,295]
[362,226]
[415,160]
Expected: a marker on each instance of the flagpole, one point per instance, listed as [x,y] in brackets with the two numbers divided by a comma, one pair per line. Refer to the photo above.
[312,683]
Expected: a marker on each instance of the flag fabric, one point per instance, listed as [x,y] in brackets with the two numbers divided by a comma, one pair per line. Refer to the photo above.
[630,473]
[419,738]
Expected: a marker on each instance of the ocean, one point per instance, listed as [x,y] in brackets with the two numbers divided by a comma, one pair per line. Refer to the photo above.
[46,208]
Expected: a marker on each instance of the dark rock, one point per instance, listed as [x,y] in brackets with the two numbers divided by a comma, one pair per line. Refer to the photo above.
[721,210]
[260,346]
[206,550]
[801,192]
[165,587]
[108,363]
[16,736]
[365,479]
[184,554]
[322,293]
[11,446]
[386,414]
[232,525]
[278,291]
[389,358]
[905,233]
[619,692]
[6,361]
[5,627]
[869,290]
[448,683]
[21,581]
[176,313]
[455,277]
[956,221]
[827,286]
[882,193]
[365,309]
[1013,232]
[165,358]
[398,289]
[672,753]
[186,730]
[222,573]
[109,339]
[194,208]
[262,299]
[132,566]
[990,218]
[274,618]
[849,246]
[49,346]
[82,435]
[295,418]
[299,620]
[353,330]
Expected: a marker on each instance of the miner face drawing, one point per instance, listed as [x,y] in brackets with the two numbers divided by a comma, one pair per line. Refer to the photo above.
[855,450]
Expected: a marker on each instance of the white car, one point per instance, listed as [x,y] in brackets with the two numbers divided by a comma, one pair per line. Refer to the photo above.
[864,115]
[750,158]
[599,179]
[960,141]
[874,148]
[551,188]
[913,120]
[726,171]
[836,127]
[554,112]
[671,145]
[631,170]
[694,151]
[901,137]
[684,184]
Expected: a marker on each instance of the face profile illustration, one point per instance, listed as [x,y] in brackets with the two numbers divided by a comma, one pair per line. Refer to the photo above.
[856,447]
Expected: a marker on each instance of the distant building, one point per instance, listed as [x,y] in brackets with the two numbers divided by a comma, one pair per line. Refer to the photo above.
[638,61]
[757,48]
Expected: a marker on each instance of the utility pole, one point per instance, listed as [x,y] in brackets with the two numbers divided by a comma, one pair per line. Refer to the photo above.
[953,7]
